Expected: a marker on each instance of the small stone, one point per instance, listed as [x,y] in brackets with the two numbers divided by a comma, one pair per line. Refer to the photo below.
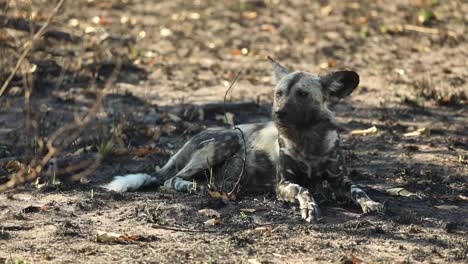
[165,32]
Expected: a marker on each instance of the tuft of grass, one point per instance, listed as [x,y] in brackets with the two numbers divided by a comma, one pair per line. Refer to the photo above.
[194,186]
[153,215]
[105,148]
[244,216]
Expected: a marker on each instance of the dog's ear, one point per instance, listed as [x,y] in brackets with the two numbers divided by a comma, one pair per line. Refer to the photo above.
[279,71]
[340,83]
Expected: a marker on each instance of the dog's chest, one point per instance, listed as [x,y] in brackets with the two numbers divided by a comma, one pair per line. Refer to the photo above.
[310,169]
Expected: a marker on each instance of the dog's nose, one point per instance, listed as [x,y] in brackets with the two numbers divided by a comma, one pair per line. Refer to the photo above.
[280,113]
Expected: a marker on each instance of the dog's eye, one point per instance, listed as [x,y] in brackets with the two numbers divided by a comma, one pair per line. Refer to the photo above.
[302,93]
[279,93]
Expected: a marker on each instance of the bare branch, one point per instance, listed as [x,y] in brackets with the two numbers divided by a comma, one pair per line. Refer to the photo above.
[236,187]
[33,171]
[30,45]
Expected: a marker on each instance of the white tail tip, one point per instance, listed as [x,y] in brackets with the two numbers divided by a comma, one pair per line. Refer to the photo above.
[130,182]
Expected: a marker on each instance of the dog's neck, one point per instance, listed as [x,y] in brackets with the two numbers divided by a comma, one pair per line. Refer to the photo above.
[316,141]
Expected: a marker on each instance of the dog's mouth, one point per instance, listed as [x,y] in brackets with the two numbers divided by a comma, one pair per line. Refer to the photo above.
[282,120]
[300,123]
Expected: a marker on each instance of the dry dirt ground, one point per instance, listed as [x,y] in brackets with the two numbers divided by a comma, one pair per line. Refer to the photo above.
[411,56]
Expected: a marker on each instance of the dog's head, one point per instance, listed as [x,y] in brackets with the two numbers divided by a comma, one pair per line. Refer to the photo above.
[300,99]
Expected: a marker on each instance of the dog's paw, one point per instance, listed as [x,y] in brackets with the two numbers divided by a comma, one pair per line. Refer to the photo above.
[369,206]
[309,209]
[181,185]
[310,212]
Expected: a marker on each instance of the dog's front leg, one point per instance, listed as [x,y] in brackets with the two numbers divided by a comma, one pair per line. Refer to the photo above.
[339,181]
[289,191]
[367,204]
[292,192]
[348,189]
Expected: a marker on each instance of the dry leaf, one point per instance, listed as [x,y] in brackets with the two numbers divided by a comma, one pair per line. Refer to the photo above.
[262,229]
[236,52]
[250,15]
[209,213]
[222,196]
[251,210]
[365,132]
[268,28]
[144,151]
[248,210]
[356,260]
[402,192]
[328,64]
[89,30]
[102,236]
[447,207]
[101,20]
[362,20]
[212,222]
[419,132]
[326,10]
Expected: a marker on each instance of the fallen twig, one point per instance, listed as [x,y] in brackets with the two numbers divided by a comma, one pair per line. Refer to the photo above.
[30,45]
[184,229]
[422,29]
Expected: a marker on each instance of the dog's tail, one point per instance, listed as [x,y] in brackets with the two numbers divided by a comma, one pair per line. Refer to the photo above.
[131,182]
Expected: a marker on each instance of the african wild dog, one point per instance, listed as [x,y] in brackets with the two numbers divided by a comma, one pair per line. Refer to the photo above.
[292,155]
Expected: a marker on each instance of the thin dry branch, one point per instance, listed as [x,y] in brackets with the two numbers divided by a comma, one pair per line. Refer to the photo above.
[236,187]
[30,45]
[31,172]
[422,29]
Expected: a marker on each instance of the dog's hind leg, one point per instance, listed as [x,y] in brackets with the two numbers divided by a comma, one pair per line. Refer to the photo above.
[202,152]
[207,149]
